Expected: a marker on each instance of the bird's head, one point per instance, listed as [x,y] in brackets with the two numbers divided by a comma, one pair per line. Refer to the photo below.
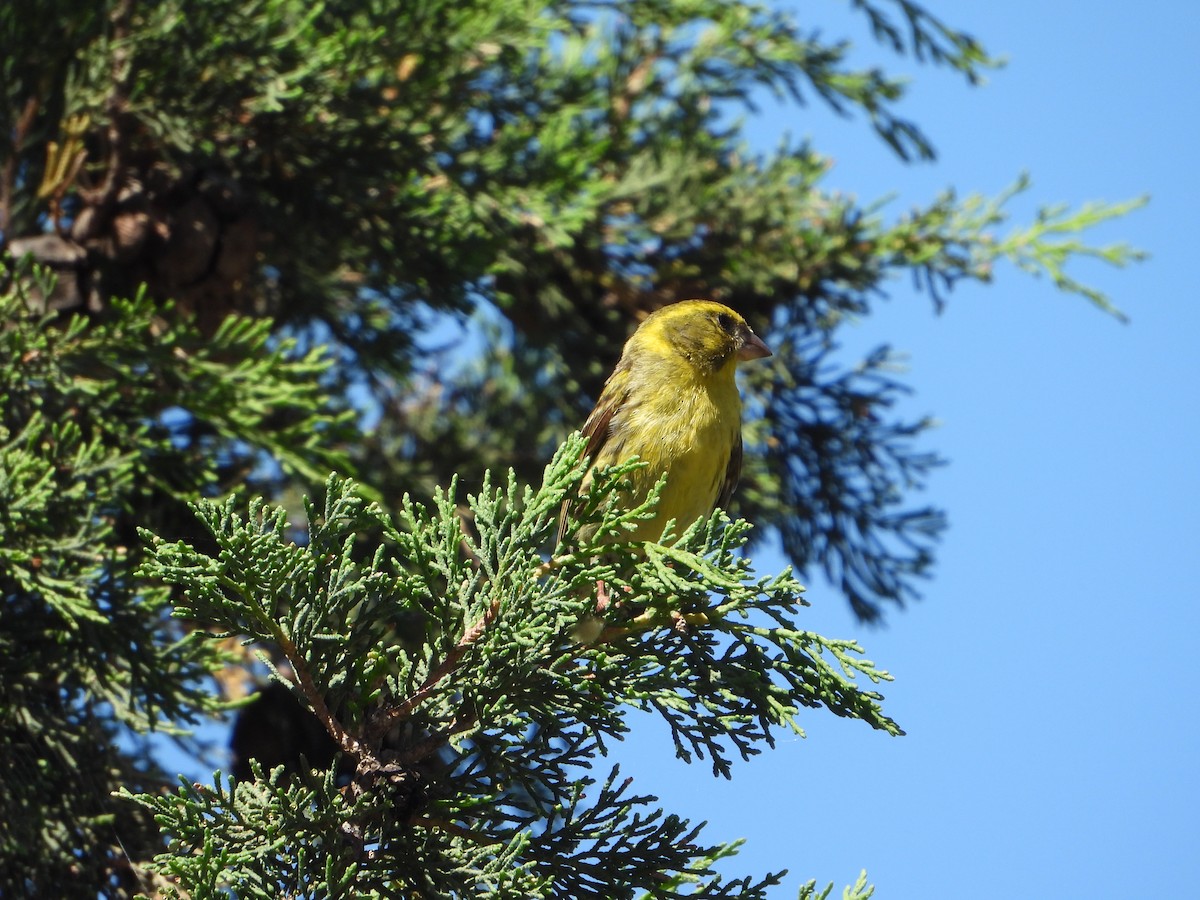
[710,335]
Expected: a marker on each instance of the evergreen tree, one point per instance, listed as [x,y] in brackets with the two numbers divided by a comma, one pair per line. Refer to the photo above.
[236,235]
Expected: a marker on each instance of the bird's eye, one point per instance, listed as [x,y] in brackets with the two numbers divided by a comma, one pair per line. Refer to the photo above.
[725,321]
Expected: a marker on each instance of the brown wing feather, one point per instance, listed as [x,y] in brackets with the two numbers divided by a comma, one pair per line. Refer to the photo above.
[595,429]
[733,472]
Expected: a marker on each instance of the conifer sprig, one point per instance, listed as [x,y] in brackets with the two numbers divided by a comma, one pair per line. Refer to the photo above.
[445,661]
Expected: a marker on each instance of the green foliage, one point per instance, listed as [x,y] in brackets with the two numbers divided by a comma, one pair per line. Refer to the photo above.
[302,199]
[448,667]
[860,890]
[357,171]
[102,425]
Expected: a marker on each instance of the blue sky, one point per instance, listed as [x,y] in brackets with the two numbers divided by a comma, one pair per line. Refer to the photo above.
[1046,681]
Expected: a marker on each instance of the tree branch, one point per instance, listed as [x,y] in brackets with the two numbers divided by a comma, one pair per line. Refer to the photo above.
[345,740]
[8,179]
[115,105]
[389,717]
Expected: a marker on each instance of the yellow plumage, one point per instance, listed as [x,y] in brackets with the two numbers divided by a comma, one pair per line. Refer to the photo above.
[673,402]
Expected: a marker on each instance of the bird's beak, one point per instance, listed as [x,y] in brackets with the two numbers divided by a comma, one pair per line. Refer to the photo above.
[752,347]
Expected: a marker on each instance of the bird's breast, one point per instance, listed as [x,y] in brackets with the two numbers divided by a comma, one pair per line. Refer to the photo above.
[688,436]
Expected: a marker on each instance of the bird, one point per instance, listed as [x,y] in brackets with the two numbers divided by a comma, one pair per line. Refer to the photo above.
[673,402]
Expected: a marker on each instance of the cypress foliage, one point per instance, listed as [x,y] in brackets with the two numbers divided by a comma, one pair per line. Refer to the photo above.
[446,667]
[244,245]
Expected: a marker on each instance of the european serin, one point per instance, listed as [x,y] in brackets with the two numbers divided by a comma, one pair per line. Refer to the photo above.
[672,401]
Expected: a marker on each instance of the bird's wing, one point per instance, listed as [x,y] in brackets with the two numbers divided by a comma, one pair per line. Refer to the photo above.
[595,429]
[733,472]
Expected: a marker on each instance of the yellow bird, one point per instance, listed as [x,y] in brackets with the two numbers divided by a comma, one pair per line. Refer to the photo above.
[673,402]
